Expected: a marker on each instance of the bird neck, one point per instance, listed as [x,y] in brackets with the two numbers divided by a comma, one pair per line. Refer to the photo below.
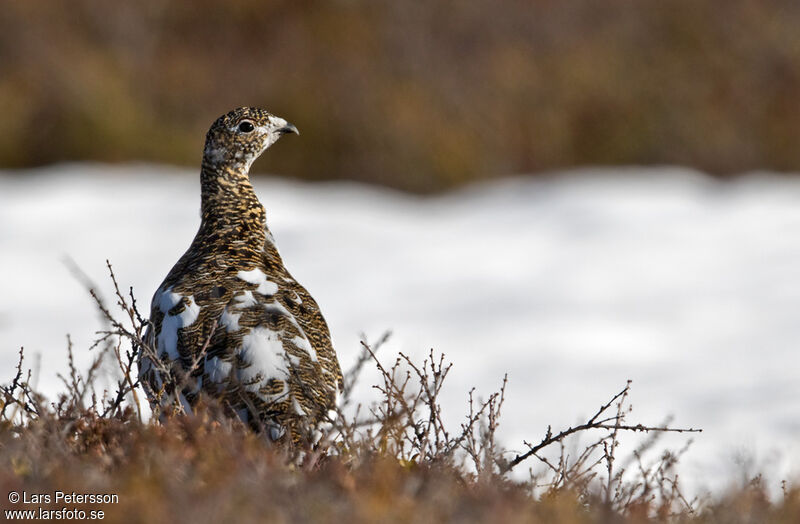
[229,202]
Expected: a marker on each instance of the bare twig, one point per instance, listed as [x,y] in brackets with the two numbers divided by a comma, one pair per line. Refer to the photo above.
[595,422]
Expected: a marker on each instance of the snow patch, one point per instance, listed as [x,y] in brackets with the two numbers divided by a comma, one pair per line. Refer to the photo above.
[664,276]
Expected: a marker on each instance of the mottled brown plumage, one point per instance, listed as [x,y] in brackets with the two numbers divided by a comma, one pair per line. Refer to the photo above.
[229,320]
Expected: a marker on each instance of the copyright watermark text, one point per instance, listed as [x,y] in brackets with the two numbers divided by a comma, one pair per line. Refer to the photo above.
[60,501]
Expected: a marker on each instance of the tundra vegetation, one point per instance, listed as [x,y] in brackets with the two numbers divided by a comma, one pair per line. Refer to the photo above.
[392,460]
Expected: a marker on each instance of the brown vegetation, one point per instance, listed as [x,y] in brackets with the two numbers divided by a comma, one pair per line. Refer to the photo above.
[416,95]
[393,461]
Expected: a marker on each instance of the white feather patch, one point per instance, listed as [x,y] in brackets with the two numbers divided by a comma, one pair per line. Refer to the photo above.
[167,341]
[245,299]
[262,348]
[277,307]
[217,369]
[303,343]
[230,320]
[256,276]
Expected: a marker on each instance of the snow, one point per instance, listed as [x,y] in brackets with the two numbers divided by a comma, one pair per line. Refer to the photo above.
[571,283]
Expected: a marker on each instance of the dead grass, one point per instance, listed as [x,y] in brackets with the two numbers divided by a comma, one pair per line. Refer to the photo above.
[392,461]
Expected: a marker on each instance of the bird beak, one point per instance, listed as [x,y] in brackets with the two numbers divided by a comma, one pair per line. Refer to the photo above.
[288,128]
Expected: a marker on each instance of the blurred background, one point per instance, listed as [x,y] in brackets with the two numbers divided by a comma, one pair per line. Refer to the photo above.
[421,96]
[533,231]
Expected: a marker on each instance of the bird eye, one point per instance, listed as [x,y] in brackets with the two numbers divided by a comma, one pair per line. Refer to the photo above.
[246,127]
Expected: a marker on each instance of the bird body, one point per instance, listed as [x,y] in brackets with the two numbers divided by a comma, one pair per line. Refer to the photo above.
[229,321]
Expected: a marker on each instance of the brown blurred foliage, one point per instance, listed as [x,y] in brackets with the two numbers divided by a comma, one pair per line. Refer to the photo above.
[416,95]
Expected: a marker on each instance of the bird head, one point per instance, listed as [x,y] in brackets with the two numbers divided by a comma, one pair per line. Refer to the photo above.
[239,137]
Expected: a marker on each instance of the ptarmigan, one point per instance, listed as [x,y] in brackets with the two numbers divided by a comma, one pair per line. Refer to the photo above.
[229,321]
